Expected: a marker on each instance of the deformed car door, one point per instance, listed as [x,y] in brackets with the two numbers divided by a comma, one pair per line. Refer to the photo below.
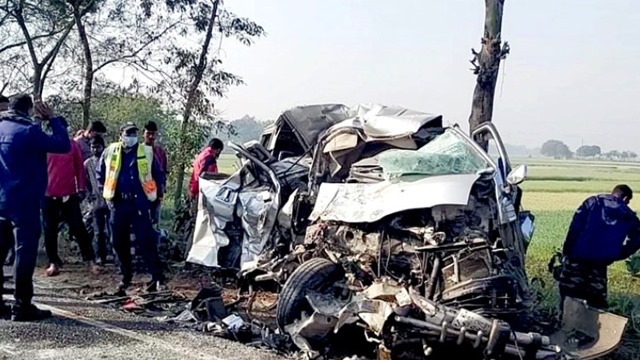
[488,132]
[259,206]
[254,201]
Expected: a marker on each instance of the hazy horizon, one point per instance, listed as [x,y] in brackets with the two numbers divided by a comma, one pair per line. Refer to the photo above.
[572,64]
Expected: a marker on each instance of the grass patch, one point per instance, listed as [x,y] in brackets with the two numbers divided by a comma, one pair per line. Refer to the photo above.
[562,186]
[559,178]
[228,163]
[551,228]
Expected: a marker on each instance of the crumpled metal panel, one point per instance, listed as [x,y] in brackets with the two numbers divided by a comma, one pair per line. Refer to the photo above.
[310,121]
[256,205]
[358,203]
[381,121]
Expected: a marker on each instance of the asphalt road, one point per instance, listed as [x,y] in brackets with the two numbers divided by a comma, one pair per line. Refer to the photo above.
[83,330]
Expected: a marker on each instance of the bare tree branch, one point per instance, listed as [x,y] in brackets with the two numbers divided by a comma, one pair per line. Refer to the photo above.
[22,43]
[56,48]
[137,51]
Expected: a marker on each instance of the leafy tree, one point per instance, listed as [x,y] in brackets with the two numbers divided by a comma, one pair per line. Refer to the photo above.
[556,149]
[244,129]
[588,151]
[42,27]
[115,105]
[196,77]
[624,155]
[613,154]
[126,38]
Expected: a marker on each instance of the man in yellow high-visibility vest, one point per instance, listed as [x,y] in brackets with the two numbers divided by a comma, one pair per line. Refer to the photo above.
[130,177]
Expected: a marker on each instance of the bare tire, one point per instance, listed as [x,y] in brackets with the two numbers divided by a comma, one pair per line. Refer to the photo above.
[317,274]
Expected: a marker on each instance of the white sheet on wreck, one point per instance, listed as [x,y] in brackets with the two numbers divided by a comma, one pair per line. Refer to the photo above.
[208,237]
[358,203]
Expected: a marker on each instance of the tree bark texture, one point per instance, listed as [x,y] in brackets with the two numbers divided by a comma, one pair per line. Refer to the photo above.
[486,64]
[192,97]
[42,67]
[88,66]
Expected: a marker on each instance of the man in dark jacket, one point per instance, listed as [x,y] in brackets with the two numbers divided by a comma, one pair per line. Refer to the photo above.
[603,230]
[23,182]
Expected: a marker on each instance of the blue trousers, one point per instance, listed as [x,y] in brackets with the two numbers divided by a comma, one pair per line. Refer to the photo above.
[125,216]
[22,232]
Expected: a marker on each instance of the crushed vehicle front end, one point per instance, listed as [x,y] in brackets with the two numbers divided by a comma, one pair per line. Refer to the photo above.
[383,225]
[416,236]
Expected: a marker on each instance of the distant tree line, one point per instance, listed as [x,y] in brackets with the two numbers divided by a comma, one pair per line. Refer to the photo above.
[241,130]
[559,150]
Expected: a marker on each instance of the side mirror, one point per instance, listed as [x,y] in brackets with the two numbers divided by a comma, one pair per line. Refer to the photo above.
[517,175]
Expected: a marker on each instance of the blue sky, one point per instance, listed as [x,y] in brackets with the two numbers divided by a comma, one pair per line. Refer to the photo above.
[573,73]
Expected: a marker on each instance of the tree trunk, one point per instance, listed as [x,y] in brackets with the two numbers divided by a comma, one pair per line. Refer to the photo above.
[88,67]
[191,98]
[486,65]
[42,67]
[37,81]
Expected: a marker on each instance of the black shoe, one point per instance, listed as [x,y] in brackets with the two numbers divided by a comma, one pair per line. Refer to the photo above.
[29,313]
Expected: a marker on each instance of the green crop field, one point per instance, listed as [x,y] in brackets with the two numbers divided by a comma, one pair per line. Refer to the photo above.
[553,190]
[228,163]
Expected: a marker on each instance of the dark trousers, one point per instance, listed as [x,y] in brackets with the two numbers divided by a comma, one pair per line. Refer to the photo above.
[55,211]
[125,215]
[87,218]
[155,212]
[23,233]
[100,222]
[584,282]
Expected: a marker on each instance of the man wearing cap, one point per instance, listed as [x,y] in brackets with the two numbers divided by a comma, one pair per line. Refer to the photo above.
[84,137]
[129,175]
[23,183]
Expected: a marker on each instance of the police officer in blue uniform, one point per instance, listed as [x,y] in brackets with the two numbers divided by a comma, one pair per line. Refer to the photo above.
[23,182]
[129,204]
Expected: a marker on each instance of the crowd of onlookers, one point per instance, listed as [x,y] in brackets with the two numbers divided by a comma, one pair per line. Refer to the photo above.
[104,192]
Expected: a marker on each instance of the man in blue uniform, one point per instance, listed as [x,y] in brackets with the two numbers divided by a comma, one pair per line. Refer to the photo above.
[130,177]
[23,182]
[603,230]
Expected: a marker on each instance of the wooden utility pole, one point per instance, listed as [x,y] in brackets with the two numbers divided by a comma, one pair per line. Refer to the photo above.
[486,64]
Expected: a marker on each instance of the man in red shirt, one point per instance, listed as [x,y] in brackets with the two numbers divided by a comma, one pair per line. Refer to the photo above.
[206,161]
[65,191]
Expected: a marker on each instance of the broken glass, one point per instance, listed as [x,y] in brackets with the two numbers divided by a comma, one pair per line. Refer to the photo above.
[446,154]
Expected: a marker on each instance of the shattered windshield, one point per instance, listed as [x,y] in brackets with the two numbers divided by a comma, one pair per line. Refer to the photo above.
[448,153]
